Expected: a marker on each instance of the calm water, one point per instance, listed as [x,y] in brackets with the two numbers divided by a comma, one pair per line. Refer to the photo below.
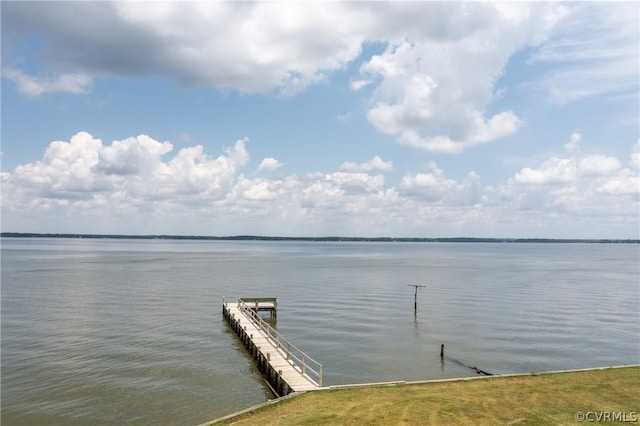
[131,331]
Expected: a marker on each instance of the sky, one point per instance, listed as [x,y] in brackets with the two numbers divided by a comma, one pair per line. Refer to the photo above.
[363,119]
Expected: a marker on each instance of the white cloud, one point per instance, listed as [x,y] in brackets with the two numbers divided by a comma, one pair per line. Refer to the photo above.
[140,185]
[576,165]
[259,190]
[433,185]
[590,189]
[434,92]
[433,87]
[573,146]
[192,173]
[598,165]
[376,164]
[499,125]
[66,171]
[634,162]
[251,47]
[132,169]
[131,156]
[269,164]
[624,183]
[339,189]
[423,91]
[34,86]
[359,84]
[594,52]
[553,171]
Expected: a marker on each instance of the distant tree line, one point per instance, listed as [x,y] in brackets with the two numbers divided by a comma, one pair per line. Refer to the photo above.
[326,239]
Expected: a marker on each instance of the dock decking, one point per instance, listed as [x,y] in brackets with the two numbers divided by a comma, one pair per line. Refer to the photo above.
[285,367]
[262,304]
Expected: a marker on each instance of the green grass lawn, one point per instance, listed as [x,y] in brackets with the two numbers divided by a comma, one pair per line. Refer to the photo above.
[546,399]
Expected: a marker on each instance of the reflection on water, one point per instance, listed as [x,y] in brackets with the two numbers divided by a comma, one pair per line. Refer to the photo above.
[118,331]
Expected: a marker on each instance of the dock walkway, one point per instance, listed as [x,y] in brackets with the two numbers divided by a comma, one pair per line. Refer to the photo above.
[285,367]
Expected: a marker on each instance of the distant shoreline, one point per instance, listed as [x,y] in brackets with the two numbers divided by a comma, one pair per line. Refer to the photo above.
[321,239]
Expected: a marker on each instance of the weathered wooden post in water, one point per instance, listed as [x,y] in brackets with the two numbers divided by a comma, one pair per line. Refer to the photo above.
[415,297]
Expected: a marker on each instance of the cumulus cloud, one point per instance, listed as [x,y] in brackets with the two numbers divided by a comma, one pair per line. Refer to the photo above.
[376,164]
[269,164]
[428,98]
[433,86]
[598,165]
[139,185]
[423,92]
[552,171]
[251,47]
[359,84]
[573,146]
[130,156]
[432,185]
[576,183]
[131,170]
[256,190]
[192,172]
[66,170]
[570,167]
[624,183]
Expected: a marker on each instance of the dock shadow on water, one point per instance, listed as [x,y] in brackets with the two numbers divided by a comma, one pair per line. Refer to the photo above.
[254,371]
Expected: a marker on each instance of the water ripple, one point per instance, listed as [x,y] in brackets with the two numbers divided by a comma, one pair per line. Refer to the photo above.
[130,332]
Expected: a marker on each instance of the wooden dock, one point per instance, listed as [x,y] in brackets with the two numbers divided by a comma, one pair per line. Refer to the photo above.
[262,304]
[285,367]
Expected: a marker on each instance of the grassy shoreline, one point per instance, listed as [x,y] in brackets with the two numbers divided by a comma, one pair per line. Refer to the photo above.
[546,398]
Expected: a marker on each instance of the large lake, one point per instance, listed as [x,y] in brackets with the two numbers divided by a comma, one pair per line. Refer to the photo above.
[131,332]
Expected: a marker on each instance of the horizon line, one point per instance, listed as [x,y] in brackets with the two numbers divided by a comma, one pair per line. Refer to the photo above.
[249,237]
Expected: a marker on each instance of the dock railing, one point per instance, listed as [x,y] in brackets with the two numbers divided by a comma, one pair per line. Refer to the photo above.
[261,303]
[307,365]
